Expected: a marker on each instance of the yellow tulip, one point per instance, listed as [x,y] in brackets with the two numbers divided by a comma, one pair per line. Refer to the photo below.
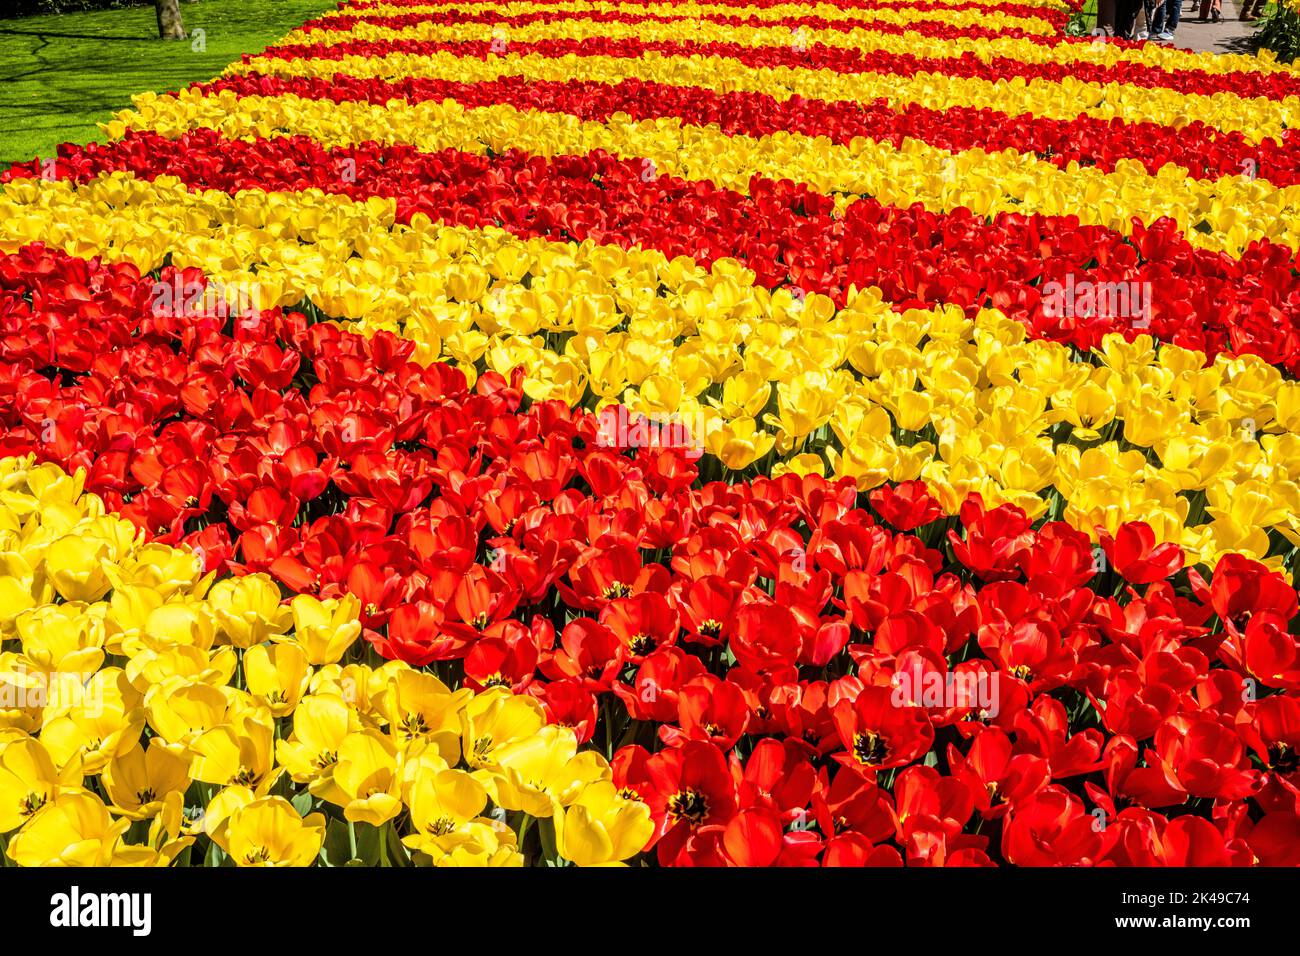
[63,638]
[321,722]
[1192,463]
[495,718]
[219,808]
[601,827]
[422,711]
[17,594]
[1088,408]
[22,694]
[189,623]
[28,780]
[181,712]
[474,854]
[140,780]
[364,781]
[247,609]
[76,567]
[237,754]
[270,832]
[804,464]
[168,833]
[94,722]
[325,629]
[533,773]
[739,444]
[360,687]
[73,829]
[277,675]
[155,661]
[445,813]
[170,571]
[129,608]
[744,395]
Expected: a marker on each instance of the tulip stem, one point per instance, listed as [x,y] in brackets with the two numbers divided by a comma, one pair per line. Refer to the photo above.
[608,714]
[546,831]
[352,839]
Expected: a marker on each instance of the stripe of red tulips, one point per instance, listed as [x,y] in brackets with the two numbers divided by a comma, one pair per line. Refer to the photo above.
[842,60]
[787,233]
[1204,151]
[456,17]
[1010,7]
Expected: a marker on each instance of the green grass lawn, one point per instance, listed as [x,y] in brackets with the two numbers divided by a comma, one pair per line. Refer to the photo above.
[62,74]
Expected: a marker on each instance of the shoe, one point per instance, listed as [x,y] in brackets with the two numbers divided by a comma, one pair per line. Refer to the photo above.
[1164,35]
[1216,16]
[1140,35]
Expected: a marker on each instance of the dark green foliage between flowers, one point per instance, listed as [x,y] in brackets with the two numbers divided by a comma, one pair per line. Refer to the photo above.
[1279,31]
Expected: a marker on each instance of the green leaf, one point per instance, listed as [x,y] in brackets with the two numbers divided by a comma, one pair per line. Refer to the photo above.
[397,851]
[336,850]
[368,843]
[215,855]
[303,803]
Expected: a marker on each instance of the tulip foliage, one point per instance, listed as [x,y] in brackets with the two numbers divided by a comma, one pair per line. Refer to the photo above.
[573,432]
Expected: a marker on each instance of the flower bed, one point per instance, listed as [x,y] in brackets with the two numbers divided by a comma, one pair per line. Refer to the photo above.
[856,433]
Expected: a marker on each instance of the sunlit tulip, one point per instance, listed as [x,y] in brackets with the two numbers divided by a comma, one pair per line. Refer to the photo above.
[139,781]
[62,638]
[474,854]
[248,609]
[74,829]
[493,719]
[325,629]
[76,566]
[534,773]
[446,807]
[601,827]
[321,722]
[421,710]
[28,780]
[184,711]
[277,675]
[364,780]
[270,832]
[237,754]
[93,722]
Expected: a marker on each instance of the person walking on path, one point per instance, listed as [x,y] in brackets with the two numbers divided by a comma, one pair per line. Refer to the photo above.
[1126,12]
[1165,20]
[1210,10]
[1149,11]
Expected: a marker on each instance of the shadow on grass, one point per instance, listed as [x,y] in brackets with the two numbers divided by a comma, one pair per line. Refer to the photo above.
[42,34]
